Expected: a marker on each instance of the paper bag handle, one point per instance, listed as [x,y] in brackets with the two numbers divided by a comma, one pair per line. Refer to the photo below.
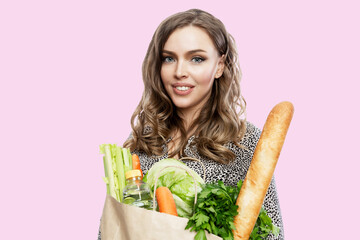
[201,163]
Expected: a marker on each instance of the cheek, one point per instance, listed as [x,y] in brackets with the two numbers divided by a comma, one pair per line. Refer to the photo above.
[205,77]
[164,74]
[165,79]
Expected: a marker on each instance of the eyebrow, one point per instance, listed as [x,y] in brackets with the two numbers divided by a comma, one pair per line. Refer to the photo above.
[189,52]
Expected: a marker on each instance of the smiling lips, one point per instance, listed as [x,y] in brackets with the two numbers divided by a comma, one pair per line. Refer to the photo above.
[182,89]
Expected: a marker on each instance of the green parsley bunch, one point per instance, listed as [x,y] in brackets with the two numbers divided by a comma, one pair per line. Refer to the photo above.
[215,211]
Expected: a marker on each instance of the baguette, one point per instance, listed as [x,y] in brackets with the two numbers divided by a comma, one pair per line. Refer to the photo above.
[261,170]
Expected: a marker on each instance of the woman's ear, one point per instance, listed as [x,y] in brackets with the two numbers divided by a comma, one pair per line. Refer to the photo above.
[221,67]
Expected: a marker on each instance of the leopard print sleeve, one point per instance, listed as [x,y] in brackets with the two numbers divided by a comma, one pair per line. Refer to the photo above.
[272,207]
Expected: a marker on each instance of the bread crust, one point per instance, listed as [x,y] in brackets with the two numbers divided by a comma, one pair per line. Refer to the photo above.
[261,170]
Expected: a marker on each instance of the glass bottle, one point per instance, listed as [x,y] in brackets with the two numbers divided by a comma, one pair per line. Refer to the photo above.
[137,192]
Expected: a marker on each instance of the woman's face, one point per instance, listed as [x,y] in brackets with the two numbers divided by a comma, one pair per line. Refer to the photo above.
[190,64]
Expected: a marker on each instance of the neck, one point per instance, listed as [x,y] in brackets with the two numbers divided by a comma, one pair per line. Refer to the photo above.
[188,117]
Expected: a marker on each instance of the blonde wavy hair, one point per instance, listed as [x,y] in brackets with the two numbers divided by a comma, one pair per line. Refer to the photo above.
[220,120]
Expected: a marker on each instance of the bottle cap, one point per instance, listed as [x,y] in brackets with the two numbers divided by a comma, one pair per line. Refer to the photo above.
[133,173]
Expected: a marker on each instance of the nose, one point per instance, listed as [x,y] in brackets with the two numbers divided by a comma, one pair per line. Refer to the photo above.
[181,70]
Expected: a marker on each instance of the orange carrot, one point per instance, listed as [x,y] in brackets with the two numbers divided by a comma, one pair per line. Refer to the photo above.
[165,201]
[136,163]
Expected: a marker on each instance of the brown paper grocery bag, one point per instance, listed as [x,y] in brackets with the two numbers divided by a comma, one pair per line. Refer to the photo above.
[125,222]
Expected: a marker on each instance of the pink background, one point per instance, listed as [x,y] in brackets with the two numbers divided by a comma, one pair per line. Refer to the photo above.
[70,76]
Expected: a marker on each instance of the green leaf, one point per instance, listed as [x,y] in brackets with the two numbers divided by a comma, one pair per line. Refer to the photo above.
[200,235]
[232,225]
[190,223]
[204,193]
[214,229]
[275,230]
[201,218]
[211,209]
[263,227]
[254,233]
[229,237]
[207,227]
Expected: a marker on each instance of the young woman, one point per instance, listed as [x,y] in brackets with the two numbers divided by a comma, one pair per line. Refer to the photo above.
[192,105]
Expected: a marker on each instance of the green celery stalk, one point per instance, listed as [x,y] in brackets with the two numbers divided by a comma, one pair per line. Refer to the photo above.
[114,166]
[106,180]
[130,158]
[127,159]
[113,148]
[108,163]
[120,171]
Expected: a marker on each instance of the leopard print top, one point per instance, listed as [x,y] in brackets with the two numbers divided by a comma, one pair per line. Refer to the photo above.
[230,173]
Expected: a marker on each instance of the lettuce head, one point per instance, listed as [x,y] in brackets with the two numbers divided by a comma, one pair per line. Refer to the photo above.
[180,183]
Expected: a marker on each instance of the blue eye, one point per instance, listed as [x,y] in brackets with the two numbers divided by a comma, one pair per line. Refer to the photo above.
[168,59]
[197,59]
